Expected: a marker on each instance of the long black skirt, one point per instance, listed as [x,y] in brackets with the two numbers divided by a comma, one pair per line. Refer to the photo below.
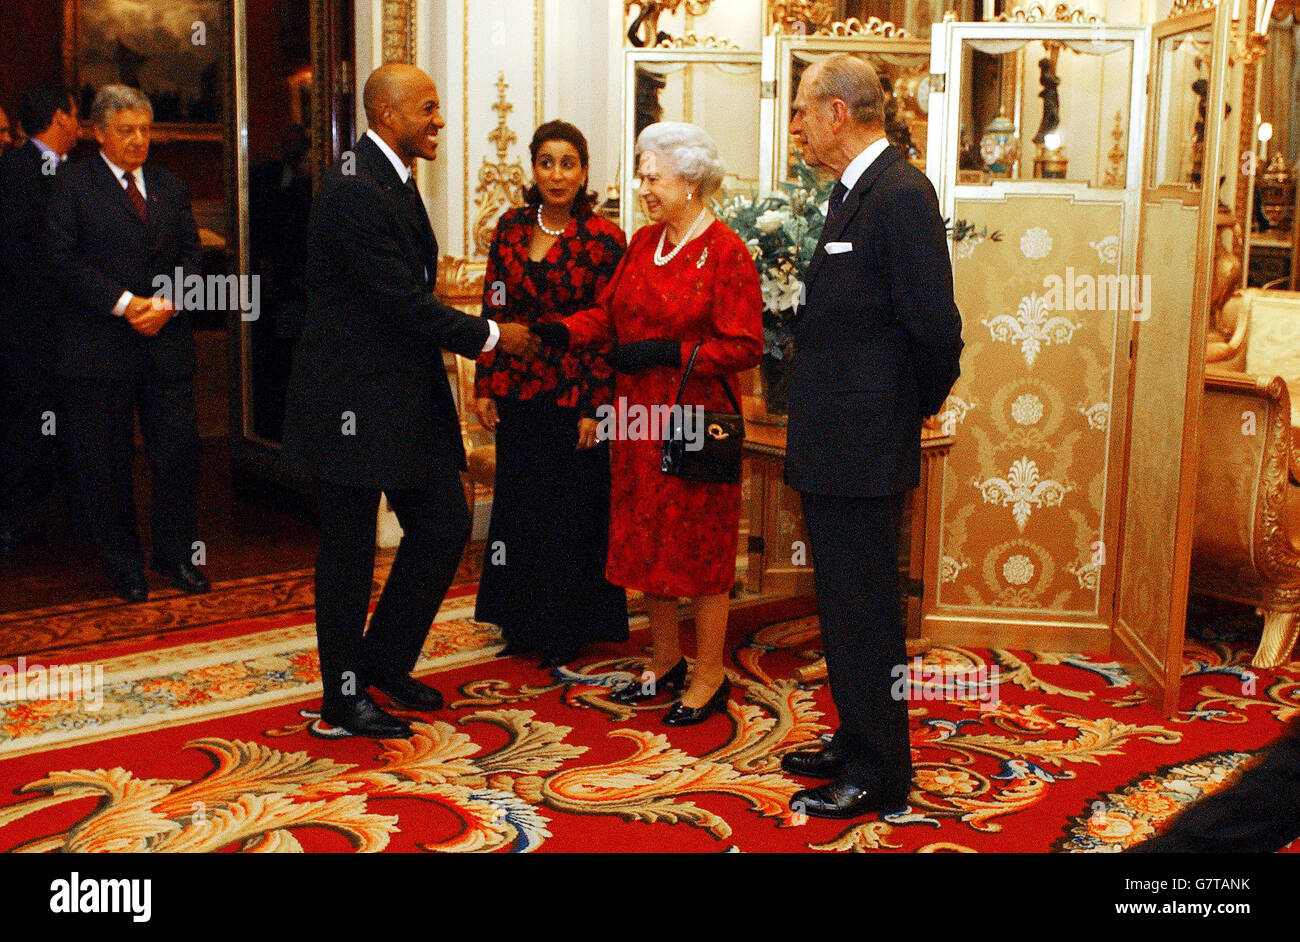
[544,563]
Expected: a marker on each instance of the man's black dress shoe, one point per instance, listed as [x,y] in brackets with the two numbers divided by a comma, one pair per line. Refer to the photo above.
[819,763]
[131,587]
[184,576]
[360,717]
[634,691]
[843,799]
[409,692]
[681,715]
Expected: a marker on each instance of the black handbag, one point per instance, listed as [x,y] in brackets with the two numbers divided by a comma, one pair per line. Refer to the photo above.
[718,459]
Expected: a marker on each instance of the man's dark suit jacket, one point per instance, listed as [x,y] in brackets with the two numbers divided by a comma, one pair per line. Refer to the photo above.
[28,302]
[877,345]
[99,247]
[370,356]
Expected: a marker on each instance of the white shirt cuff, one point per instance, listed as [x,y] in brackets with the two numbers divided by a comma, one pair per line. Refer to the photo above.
[494,334]
[119,309]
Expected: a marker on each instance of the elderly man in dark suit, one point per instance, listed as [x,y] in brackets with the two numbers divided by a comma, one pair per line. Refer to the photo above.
[30,468]
[118,231]
[370,410]
[876,350]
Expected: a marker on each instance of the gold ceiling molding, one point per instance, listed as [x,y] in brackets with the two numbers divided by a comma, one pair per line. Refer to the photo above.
[1037,13]
[691,41]
[799,17]
[872,27]
[399,30]
[643,30]
[500,184]
[1189,6]
[815,18]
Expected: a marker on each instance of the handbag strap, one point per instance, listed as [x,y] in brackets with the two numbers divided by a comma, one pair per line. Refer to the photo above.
[686,374]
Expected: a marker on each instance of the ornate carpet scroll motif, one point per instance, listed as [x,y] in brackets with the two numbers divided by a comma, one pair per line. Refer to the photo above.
[523,760]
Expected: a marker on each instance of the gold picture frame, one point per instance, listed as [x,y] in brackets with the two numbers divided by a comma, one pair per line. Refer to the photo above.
[188,109]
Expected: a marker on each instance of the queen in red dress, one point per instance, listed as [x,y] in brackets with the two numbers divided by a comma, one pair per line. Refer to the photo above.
[686,279]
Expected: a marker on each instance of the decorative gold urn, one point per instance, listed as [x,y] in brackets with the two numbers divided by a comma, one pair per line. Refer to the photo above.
[1277,194]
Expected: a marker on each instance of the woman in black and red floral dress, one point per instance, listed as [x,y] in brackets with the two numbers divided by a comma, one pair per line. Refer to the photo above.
[544,563]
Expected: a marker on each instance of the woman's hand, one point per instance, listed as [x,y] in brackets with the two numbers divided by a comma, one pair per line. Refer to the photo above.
[643,354]
[587,433]
[552,333]
[486,410]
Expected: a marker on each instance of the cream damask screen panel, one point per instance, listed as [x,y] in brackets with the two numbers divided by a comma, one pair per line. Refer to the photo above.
[1029,483]
[1159,416]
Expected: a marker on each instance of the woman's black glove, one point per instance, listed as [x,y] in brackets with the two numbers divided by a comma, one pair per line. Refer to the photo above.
[552,333]
[643,354]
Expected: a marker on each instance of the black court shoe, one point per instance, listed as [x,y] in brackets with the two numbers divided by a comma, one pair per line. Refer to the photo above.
[681,715]
[635,692]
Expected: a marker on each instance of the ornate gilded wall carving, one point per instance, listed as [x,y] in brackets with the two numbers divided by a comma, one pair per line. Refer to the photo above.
[501,183]
[399,30]
[643,27]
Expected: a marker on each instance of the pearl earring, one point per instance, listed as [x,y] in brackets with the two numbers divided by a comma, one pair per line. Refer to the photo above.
[690,196]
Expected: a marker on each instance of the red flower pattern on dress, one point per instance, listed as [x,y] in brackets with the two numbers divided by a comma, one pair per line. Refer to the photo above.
[572,276]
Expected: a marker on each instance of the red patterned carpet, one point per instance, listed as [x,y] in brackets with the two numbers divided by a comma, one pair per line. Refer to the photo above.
[208,743]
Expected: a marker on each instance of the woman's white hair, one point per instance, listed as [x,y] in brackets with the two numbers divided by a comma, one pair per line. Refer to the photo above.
[690,149]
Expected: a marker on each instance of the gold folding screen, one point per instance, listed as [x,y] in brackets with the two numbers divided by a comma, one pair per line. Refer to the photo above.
[1180,195]
[1043,270]
[1065,515]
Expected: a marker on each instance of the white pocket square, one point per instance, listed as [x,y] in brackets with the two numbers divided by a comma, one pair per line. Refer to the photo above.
[835,248]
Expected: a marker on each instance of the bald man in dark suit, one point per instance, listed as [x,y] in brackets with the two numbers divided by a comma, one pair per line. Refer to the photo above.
[370,410]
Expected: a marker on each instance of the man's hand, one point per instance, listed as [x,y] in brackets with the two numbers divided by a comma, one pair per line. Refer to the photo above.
[149,315]
[517,340]
[486,410]
[587,433]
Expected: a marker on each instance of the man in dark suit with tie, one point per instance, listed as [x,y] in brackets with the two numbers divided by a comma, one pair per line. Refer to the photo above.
[876,351]
[370,410]
[30,465]
[118,232]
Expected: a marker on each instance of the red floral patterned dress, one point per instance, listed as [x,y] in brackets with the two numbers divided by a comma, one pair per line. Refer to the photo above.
[667,536]
[576,270]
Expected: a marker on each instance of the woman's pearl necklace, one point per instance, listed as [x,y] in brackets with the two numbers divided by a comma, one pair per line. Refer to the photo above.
[549,232]
[660,258]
